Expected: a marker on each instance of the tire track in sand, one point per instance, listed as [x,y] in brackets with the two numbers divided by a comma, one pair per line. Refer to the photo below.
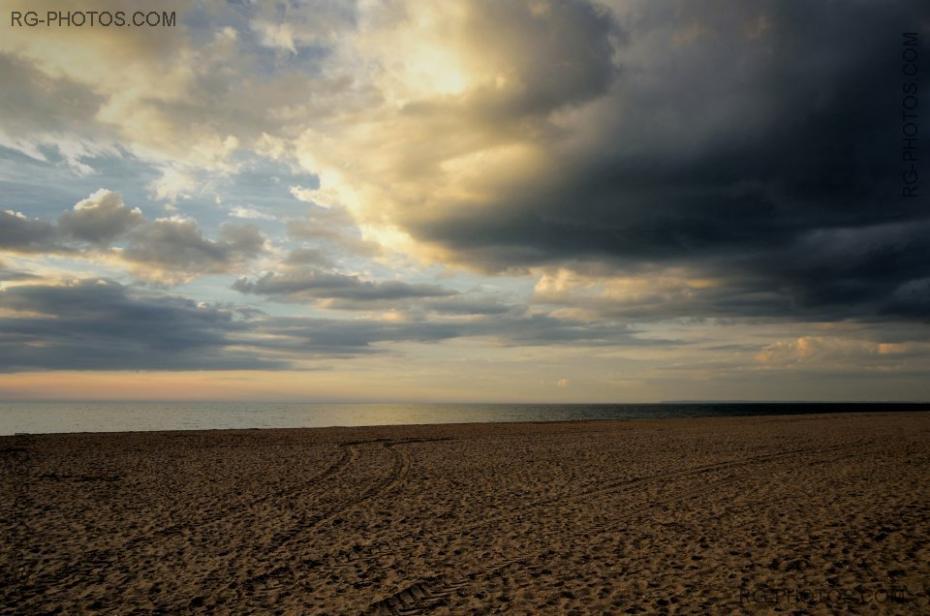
[400,467]
[271,580]
[87,563]
[426,594]
[632,485]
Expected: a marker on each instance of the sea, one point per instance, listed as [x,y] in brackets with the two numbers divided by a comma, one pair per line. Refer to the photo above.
[57,417]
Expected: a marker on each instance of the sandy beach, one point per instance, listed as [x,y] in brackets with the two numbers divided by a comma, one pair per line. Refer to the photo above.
[815,513]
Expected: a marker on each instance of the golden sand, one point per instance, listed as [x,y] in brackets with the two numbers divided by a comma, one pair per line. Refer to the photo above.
[813,513]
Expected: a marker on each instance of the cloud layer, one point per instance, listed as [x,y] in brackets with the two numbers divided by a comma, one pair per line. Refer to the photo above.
[98,324]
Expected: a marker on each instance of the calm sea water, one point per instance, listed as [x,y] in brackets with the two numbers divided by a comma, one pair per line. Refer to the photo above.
[46,417]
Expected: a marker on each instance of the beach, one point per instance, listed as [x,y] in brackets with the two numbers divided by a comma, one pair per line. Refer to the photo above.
[707,515]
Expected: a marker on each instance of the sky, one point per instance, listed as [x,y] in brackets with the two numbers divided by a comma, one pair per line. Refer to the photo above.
[540,201]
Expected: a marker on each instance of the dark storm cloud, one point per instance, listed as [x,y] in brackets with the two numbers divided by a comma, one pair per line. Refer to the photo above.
[101,325]
[759,143]
[880,270]
[302,285]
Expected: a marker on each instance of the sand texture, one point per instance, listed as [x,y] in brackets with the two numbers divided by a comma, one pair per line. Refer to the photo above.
[813,513]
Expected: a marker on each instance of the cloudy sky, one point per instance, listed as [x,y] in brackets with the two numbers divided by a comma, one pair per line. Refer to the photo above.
[471,200]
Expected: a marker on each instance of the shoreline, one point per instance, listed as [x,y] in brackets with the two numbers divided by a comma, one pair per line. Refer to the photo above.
[916,407]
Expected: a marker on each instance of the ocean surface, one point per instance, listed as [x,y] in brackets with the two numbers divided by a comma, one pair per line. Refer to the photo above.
[49,417]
